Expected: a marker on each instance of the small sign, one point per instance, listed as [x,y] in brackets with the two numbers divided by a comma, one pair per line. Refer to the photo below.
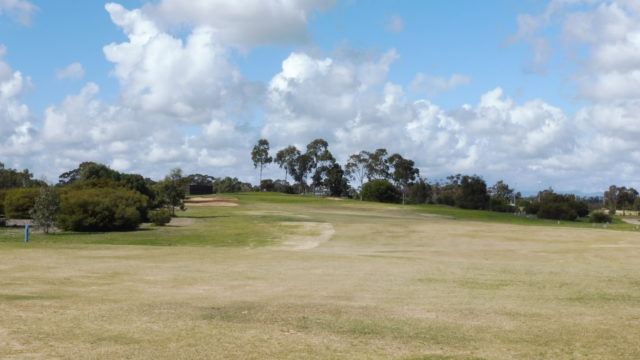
[26,233]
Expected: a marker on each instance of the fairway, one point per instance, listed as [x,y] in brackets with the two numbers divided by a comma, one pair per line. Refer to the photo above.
[300,277]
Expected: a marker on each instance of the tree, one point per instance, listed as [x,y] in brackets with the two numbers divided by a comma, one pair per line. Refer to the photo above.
[302,166]
[419,192]
[260,155]
[200,179]
[473,193]
[286,158]
[46,208]
[171,190]
[336,181]
[322,161]
[357,168]
[501,197]
[404,172]
[10,179]
[377,165]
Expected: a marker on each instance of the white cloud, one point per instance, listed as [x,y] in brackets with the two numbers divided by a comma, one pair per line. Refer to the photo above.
[435,85]
[167,76]
[21,10]
[73,71]
[15,117]
[243,23]
[395,24]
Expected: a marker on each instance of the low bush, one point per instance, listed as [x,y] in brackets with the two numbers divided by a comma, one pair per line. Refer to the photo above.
[19,202]
[160,217]
[557,211]
[600,217]
[381,191]
[3,194]
[101,209]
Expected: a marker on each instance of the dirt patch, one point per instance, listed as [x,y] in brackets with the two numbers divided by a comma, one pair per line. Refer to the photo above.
[212,201]
[307,235]
[631,221]
[334,198]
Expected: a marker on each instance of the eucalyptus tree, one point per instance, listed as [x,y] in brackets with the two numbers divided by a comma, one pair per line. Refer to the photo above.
[322,161]
[378,165]
[260,155]
[286,158]
[403,174]
[357,168]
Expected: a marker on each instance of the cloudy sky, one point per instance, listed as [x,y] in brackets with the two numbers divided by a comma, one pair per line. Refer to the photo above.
[538,93]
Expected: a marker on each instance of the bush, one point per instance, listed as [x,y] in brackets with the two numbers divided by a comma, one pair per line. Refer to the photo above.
[500,205]
[3,194]
[419,193]
[531,207]
[561,207]
[381,191]
[18,202]
[101,209]
[160,217]
[557,211]
[600,217]
[267,185]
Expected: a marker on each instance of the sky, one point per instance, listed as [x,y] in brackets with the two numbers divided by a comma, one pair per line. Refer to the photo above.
[536,93]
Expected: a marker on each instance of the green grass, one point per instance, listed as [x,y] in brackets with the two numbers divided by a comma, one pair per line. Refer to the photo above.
[509,218]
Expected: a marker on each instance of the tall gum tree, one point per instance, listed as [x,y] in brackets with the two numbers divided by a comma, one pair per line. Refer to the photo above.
[260,155]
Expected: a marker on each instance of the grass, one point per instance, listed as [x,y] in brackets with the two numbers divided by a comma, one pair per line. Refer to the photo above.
[393,282]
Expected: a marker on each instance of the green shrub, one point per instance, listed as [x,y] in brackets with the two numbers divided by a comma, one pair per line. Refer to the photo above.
[600,217]
[419,193]
[160,217]
[18,202]
[557,211]
[101,209]
[381,191]
[3,194]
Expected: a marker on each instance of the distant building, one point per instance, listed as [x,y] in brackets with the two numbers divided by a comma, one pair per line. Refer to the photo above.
[199,189]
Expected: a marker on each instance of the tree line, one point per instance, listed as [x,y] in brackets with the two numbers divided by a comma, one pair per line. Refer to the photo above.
[94,197]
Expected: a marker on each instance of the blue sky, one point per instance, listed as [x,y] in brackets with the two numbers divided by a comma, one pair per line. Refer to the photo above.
[514,90]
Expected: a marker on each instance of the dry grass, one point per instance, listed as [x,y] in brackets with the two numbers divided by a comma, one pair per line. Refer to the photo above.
[388,284]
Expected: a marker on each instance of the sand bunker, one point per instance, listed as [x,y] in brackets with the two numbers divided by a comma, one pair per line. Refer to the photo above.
[212,201]
[307,235]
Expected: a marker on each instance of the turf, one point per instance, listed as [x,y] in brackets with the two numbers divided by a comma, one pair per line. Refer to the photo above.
[392,282]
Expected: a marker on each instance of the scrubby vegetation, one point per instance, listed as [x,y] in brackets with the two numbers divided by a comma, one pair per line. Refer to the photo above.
[381,191]
[160,217]
[18,202]
[600,217]
[101,209]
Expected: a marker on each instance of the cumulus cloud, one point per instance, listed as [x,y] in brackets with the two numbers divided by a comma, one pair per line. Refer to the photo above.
[395,24]
[21,10]
[15,117]
[73,71]
[171,77]
[243,23]
[326,97]
[434,85]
